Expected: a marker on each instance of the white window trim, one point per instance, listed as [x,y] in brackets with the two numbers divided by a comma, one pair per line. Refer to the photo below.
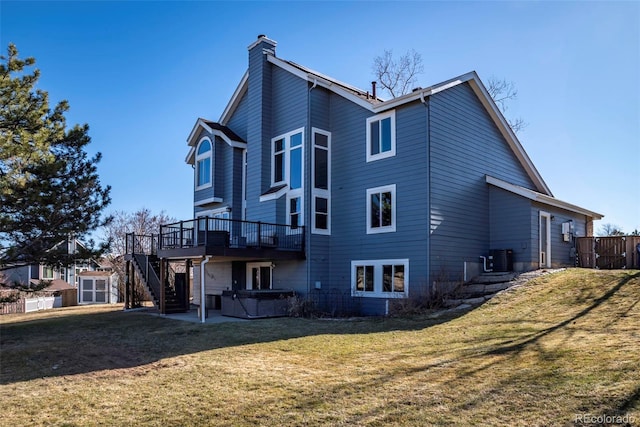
[297,193]
[286,155]
[394,201]
[275,195]
[314,230]
[251,265]
[381,155]
[377,278]
[200,157]
[546,263]
[244,185]
[318,192]
[42,270]
[208,201]
[215,213]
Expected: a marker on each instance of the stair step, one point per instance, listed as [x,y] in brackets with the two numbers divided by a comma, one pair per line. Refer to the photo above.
[494,277]
[468,301]
[481,289]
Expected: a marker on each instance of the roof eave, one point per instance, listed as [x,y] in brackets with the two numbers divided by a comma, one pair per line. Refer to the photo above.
[508,134]
[201,123]
[322,81]
[241,89]
[541,198]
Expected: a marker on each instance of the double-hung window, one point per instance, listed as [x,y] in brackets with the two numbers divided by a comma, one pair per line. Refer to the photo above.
[381,136]
[387,278]
[381,209]
[203,164]
[321,162]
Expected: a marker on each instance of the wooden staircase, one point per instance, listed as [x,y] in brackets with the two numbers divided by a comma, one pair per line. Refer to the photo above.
[147,268]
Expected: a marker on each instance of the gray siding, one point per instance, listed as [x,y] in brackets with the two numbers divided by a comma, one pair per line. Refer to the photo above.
[222,180]
[561,252]
[258,133]
[288,104]
[227,178]
[19,275]
[235,168]
[446,213]
[465,146]
[318,246]
[290,275]
[510,226]
[238,122]
[352,176]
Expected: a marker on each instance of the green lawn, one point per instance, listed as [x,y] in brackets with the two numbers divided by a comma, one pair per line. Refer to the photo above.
[562,346]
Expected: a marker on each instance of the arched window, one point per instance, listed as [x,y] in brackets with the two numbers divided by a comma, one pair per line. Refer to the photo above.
[203,164]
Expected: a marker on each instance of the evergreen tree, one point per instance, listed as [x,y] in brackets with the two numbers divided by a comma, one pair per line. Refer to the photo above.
[49,187]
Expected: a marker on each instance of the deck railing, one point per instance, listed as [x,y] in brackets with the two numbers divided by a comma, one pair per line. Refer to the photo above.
[208,232]
[141,244]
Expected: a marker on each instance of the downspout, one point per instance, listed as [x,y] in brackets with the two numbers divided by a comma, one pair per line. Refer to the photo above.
[309,200]
[425,102]
[203,304]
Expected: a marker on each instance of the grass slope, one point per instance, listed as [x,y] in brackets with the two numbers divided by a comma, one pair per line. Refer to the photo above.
[559,347]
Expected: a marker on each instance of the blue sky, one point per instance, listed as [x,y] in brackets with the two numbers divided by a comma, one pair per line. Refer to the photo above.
[140,73]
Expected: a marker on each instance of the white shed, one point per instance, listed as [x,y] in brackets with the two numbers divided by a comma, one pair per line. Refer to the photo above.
[98,287]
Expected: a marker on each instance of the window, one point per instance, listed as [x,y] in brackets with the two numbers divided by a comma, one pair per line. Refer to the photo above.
[218,219]
[87,290]
[203,164]
[278,161]
[47,272]
[381,136]
[101,290]
[321,220]
[380,278]
[295,161]
[287,159]
[321,160]
[288,168]
[294,210]
[381,209]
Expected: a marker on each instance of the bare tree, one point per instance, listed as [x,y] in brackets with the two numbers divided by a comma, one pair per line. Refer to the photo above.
[141,222]
[397,77]
[400,77]
[610,230]
[502,91]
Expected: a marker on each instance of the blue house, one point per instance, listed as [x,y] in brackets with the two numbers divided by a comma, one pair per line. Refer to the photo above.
[310,184]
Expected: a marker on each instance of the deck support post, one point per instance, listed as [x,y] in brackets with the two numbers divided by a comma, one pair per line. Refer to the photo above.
[127,285]
[187,285]
[163,279]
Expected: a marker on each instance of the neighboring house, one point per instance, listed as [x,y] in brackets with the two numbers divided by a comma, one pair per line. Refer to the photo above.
[310,184]
[32,274]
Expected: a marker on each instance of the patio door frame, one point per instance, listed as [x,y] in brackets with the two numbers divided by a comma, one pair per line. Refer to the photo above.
[261,267]
[544,247]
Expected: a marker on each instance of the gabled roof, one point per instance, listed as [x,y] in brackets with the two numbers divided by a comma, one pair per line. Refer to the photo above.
[376,105]
[216,129]
[541,198]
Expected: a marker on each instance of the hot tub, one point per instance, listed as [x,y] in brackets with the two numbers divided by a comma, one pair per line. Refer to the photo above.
[256,304]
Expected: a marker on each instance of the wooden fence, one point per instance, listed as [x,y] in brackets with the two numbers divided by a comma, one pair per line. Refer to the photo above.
[12,307]
[608,252]
[65,298]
